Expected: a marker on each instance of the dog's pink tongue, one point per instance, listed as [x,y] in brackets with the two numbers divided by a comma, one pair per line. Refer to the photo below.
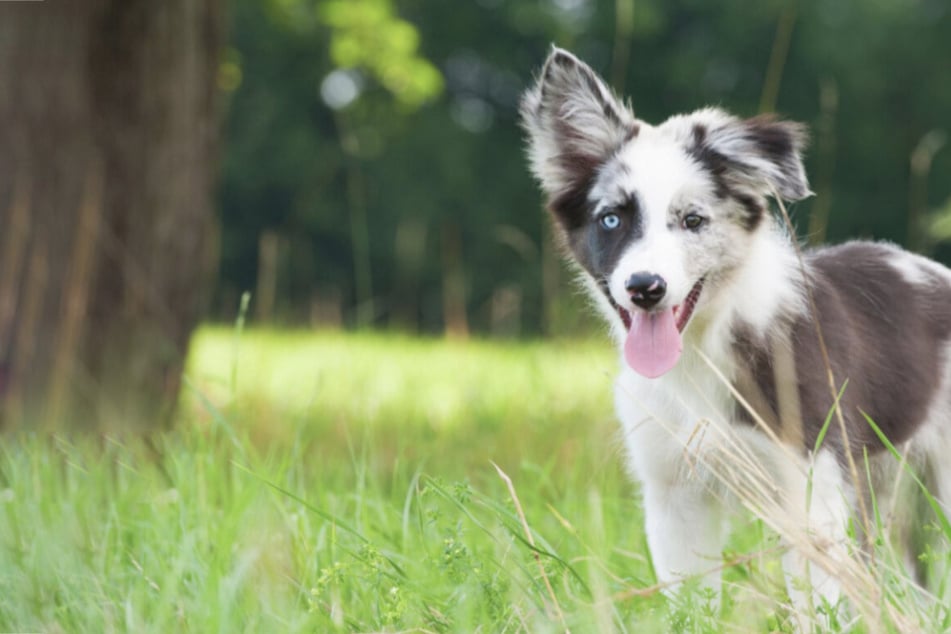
[653,343]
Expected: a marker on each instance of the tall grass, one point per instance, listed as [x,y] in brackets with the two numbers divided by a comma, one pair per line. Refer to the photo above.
[327,482]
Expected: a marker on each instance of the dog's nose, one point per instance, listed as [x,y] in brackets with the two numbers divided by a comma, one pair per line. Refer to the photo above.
[646,289]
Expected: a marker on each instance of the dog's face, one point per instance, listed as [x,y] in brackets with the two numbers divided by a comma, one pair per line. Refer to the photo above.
[658,216]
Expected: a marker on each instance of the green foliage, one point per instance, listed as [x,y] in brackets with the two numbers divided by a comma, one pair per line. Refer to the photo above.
[367,34]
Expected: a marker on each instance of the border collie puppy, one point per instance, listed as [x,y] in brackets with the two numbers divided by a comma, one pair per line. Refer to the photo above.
[735,347]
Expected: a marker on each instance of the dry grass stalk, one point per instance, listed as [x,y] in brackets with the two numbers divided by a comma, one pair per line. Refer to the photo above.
[531,540]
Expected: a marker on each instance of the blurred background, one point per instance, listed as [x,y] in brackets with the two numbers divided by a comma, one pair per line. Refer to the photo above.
[373,172]
[358,164]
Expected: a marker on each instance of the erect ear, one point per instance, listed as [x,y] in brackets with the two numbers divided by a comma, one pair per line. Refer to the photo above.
[574,122]
[763,153]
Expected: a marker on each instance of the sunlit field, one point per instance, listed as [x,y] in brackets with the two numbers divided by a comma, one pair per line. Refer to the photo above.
[329,482]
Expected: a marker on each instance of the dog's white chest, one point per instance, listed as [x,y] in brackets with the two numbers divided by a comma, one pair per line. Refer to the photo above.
[678,428]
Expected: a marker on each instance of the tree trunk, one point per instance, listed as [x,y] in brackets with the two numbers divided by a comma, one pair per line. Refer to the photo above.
[108,143]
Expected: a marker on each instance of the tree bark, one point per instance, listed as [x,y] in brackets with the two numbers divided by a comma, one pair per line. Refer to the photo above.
[108,148]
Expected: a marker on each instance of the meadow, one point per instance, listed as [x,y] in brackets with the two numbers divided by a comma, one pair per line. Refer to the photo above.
[323,482]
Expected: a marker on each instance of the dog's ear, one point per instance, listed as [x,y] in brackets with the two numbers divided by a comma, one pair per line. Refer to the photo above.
[762,153]
[574,122]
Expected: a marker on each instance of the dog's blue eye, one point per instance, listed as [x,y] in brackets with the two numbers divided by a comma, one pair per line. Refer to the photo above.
[610,221]
[693,221]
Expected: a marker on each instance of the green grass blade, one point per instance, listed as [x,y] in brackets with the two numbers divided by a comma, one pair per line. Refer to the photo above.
[943,522]
[330,517]
[825,425]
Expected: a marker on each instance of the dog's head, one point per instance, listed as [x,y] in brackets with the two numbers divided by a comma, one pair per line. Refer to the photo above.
[658,216]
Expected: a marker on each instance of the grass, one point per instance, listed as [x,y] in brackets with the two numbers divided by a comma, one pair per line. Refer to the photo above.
[327,482]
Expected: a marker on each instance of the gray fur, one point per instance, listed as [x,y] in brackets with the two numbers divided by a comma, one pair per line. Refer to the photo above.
[885,338]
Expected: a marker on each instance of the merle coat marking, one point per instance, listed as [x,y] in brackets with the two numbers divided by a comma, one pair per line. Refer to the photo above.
[686,201]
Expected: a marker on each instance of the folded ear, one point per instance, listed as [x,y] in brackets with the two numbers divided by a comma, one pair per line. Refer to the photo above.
[574,122]
[762,153]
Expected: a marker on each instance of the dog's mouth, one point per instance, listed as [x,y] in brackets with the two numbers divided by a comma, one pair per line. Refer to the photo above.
[653,344]
[682,312]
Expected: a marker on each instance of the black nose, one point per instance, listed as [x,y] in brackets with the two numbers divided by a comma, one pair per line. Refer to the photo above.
[646,289]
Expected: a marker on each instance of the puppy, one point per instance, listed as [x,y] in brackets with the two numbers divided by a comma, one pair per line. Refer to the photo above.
[736,348]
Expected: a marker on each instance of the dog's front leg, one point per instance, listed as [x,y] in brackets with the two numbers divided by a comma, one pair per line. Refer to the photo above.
[685,534]
[823,512]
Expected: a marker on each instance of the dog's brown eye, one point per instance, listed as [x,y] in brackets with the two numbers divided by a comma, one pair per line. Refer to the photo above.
[693,221]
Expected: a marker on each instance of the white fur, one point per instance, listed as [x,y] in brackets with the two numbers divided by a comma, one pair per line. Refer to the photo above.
[666,179]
